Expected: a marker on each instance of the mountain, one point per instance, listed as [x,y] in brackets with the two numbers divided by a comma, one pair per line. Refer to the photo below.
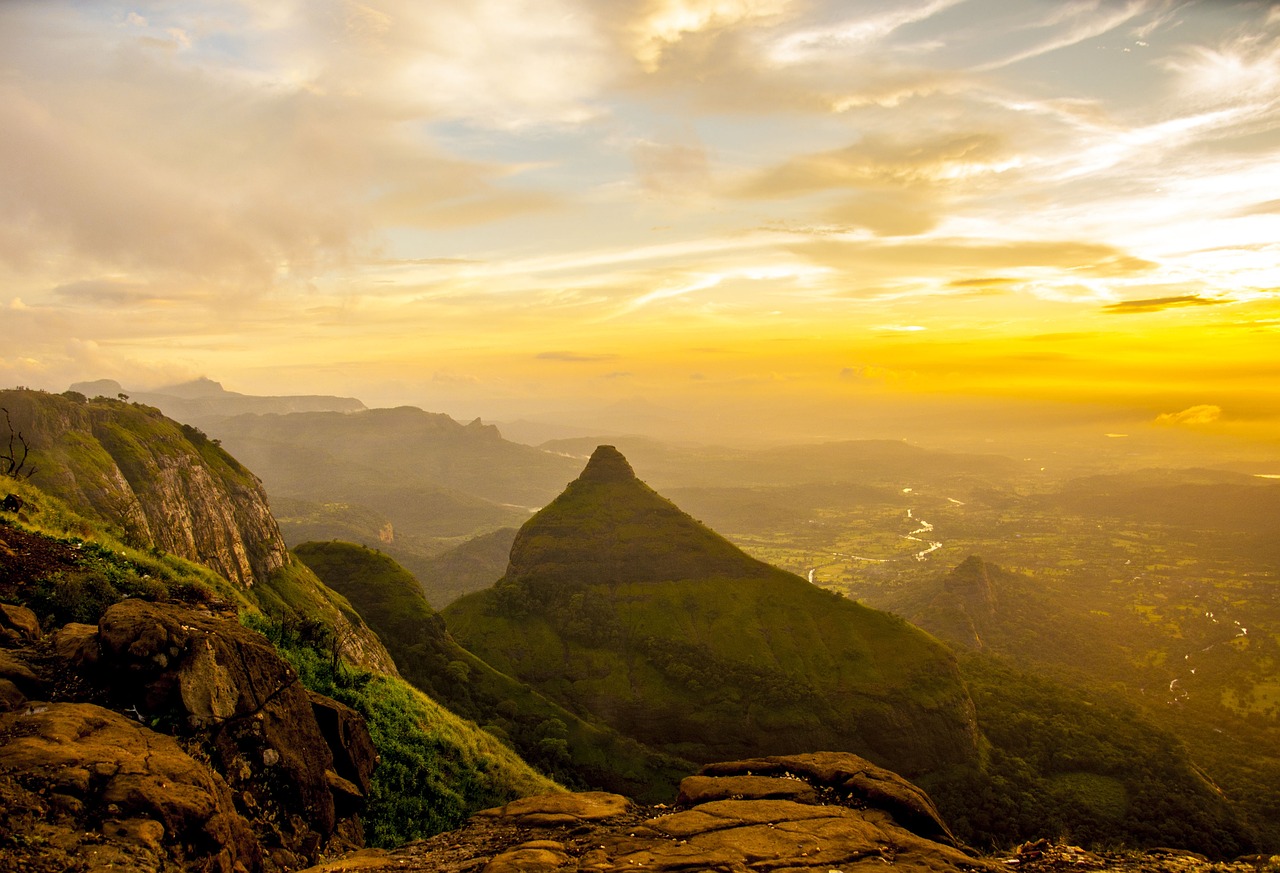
[618,604]
[411,482]
[569,748]
[165,484]
[201,399]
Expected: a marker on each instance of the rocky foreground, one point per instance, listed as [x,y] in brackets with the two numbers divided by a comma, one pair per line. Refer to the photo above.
[827,812]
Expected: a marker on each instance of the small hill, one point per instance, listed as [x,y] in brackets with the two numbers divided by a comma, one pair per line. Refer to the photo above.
[543,732]
[618,604]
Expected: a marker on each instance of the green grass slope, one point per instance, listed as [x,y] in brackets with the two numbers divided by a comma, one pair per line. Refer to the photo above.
[618,604]
[545,734]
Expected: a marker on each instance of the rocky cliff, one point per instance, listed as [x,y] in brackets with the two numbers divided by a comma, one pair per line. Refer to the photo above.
[164,484]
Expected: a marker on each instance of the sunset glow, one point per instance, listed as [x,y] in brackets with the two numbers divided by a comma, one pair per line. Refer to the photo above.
[498,207]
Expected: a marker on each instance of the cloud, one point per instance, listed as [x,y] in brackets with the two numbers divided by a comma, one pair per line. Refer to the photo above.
[1192,416]
[679,170]
[1085,258]
[882,161]
[574,357]
[1157,304]
[666,23]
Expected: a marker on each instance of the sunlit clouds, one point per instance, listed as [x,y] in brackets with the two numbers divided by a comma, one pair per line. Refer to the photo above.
[483,206]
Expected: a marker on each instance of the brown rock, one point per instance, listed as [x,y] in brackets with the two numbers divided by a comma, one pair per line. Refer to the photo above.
[76,644]
[209,673]
[541,856]
[344,730]
[16,670]
[11,697]
[18,625]
[701,789]
[856,779]
[561,808]
[69,765]
[731,836]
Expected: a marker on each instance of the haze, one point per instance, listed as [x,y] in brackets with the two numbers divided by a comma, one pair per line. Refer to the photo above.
[740,218]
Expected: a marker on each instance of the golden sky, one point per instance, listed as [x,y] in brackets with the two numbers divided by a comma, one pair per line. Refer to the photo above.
[506,207]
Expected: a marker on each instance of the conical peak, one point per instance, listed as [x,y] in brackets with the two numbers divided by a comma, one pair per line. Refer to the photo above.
[607,464]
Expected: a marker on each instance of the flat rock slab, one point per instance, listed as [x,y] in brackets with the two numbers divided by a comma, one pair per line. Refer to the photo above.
[560,808]
[606,833]
[701,789]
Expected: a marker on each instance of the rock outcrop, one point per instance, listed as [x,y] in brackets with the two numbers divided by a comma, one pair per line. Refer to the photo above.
[732,823]
[84,785]
[165,484]
[169,738]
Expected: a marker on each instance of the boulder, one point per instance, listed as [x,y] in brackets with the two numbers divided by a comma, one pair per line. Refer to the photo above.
[217,680]
[15,669]
[594,831]
[18,625]
[76,645]
[854,780]
[92,786]
[701,789]
[344,730]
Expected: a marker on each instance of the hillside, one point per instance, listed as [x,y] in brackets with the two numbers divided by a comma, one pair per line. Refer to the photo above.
[544,733]
[410,482]
[69,585]
[161,483]
[618,604]
[474,565]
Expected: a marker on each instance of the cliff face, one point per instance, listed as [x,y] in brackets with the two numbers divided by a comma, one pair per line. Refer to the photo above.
[165,484]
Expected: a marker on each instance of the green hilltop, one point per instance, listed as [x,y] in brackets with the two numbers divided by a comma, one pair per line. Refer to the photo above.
[617,604]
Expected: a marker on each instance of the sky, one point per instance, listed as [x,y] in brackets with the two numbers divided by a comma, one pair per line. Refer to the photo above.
[769,215]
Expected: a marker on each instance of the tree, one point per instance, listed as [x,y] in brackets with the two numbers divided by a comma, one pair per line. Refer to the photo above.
[14,463]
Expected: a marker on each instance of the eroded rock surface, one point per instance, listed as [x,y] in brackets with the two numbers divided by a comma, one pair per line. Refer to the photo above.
[168,738]
[82,785]
[733,823]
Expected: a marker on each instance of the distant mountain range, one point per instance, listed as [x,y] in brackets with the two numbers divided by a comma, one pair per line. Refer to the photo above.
[201,399]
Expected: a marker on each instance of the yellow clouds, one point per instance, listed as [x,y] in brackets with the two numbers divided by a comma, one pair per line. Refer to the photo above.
[1195,415]
[664,23]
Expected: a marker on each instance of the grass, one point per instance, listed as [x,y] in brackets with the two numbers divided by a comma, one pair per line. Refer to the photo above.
[546,734]
[435,769]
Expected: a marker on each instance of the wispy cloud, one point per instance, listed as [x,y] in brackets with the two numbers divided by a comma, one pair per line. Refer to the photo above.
[1157,304]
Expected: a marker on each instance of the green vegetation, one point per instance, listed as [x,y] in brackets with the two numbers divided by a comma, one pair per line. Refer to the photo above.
[1078,764]
[1159,586]
[435,769]
[79,566]
[547,735]
[616,603]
